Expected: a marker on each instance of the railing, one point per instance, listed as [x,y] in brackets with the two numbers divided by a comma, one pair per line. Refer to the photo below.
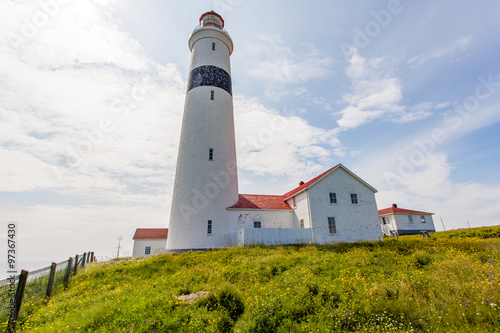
[198,27]
[391,233]
[36,285]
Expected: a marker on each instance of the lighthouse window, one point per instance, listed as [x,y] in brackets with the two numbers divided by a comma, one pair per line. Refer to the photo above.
[332,228]
[209,227]
[210,154]
[212,95]
[213,46]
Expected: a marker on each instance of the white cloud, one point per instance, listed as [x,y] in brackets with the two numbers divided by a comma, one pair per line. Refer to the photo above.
[375,93]
[84,115]
[269,59]
[430,188]
[78,229]
[277,145]
[455,51]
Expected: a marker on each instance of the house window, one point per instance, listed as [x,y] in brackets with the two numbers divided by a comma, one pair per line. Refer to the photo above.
[333,198]
[212,95]
[213,46]
[331,225]
[410,218]
[301,223]
[384,220]
[210,154]
[147,250]
[257,224]
[209,227]
[354,198]
[422,218]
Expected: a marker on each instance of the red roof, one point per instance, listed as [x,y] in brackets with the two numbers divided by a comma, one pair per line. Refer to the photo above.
[395,210]
[212,13]
[257,201]
[151,233]
[303,186]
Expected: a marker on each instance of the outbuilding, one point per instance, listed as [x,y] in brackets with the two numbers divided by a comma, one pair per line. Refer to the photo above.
[149,241]
[399,221]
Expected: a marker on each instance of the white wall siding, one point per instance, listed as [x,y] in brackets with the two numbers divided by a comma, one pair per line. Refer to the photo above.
[301,210]
[157,246]
[277,236]
[401,223]
[240,219]
[353,222]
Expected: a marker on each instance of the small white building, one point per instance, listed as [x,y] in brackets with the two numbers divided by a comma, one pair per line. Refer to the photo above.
[399,221]
[149,241]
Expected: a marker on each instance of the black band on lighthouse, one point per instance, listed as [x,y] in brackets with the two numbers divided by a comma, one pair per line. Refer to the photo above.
[210,76]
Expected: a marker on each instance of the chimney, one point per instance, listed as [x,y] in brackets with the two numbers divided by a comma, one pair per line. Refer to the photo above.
[394,206]
[301,183]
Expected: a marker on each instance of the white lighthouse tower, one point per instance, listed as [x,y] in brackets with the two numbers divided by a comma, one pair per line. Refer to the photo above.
[206,181]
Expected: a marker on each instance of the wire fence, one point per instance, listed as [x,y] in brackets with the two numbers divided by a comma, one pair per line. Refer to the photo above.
[36,286]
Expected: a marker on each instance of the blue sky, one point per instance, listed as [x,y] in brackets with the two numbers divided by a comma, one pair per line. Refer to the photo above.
[404,93]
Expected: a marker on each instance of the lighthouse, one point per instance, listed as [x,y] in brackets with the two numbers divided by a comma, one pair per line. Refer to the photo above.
[206,181]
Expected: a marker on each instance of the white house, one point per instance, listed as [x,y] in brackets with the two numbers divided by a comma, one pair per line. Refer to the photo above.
[336,206]
[399,221]
[149,241]
[207,211]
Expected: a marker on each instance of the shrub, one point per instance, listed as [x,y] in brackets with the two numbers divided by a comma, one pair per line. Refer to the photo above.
[421,259]
[226,299]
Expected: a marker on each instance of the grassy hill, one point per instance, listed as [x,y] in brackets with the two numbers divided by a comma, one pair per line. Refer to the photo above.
[445,284]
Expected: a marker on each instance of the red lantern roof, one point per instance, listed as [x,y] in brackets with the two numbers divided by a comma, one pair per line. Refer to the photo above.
[213,19]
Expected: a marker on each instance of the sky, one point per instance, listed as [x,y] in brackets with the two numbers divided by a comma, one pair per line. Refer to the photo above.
[406,94]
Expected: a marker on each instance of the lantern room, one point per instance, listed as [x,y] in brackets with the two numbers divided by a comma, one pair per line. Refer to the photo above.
[211,19]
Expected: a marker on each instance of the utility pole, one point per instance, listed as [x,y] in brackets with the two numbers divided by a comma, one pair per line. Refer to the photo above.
[119,246]
[442,223]
[468,224]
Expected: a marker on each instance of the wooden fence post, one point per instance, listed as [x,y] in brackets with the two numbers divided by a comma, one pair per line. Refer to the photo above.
[23,277]
[92,256]
[68,272]
[51,280]
[76,263]
[88,257]
[84,258]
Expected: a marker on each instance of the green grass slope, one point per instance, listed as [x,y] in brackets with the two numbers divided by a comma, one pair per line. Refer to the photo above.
[443,284]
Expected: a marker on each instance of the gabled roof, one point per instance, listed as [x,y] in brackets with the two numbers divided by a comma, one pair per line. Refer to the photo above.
[316,179]
[257,201]
[151,233]
[395,210]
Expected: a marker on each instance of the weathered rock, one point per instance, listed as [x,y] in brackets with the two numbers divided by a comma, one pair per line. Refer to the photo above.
[194,296]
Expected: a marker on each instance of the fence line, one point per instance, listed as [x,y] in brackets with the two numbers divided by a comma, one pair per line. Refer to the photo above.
[37,285]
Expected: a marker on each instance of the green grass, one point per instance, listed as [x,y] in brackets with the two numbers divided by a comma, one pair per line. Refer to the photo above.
[442,284]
